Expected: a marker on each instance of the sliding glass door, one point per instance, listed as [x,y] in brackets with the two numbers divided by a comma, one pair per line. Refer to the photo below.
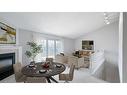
[44,47]
[51,48]
[59,47]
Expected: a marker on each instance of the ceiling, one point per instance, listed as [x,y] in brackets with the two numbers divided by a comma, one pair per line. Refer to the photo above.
[64,24]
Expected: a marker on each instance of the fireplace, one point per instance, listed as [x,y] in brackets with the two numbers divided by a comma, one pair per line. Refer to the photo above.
[6,64]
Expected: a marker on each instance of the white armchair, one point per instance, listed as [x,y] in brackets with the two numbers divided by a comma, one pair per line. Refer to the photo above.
[78,62]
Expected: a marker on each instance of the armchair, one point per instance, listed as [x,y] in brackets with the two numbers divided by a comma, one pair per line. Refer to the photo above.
[78,62]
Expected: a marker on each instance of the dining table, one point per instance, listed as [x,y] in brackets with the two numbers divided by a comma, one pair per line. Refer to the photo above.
[40,70]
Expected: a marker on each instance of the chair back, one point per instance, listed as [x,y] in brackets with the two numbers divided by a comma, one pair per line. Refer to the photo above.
[36,80]
[71,72]
[72,60]
[49,59]
[17,70]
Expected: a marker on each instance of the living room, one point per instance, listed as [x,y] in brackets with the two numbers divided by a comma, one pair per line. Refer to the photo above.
[64,33]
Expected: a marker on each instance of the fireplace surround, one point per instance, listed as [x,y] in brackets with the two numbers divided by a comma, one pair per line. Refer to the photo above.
[6,64]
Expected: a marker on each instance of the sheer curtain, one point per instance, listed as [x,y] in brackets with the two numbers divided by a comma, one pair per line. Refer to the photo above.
[50,47]
[42,56]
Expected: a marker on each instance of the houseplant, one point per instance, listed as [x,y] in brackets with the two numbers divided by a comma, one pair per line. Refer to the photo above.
[35,49]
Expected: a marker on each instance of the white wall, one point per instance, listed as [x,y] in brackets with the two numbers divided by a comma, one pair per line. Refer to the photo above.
[124,47]
[69,46]
[106,39]
[121,47]
[25,36]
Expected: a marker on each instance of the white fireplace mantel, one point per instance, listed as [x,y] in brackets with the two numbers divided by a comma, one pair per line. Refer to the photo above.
[12,49]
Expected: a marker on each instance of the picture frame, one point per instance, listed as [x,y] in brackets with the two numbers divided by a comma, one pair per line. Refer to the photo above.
[7,34]
[87,44]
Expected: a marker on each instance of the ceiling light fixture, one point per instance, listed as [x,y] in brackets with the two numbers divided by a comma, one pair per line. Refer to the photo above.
[106,18]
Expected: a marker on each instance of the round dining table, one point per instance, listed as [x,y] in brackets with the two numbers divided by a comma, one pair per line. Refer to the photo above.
[53,69]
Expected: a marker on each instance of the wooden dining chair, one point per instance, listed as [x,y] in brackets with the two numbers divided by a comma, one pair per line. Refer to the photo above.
[19,77]
[68,77]
[49,59]
[35,80]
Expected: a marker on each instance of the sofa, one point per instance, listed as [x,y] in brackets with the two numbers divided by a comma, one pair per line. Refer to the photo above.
[68,60]
[61,59]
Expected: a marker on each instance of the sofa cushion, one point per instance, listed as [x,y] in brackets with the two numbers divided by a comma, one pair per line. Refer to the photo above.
[61,59]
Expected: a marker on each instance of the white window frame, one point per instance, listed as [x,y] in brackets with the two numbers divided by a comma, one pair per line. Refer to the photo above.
[54,45]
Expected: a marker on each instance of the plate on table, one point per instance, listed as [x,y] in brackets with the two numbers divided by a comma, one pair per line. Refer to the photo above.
[42,71]
[58,66]
[31,65]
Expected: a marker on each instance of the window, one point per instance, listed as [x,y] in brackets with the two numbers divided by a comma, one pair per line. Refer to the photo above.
[59,47]
[50,48]
[43,55]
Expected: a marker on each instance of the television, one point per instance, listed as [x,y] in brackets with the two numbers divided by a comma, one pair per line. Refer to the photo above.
[87,45]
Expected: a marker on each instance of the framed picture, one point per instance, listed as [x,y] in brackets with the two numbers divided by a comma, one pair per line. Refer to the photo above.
[7,34]
[87,45]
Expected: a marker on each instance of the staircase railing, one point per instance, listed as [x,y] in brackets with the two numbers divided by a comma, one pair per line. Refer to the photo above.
[97,60]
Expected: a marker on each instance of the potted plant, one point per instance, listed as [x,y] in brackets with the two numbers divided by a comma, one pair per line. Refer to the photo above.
[34,51]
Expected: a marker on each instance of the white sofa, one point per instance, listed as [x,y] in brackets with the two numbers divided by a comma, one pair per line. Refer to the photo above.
[61,59]
[78,62]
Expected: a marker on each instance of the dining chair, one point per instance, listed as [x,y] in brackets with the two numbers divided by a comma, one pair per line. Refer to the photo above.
[19,77]
[35,80]
[49,59]
[68,77]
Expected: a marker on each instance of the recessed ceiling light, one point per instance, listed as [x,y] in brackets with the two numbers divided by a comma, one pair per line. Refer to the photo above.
[106,18]
[105,13]
[108,23]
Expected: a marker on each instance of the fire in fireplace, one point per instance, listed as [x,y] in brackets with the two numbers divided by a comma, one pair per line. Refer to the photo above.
[6,64]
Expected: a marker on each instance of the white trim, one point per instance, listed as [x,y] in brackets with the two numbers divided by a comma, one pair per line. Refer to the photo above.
[11,49]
